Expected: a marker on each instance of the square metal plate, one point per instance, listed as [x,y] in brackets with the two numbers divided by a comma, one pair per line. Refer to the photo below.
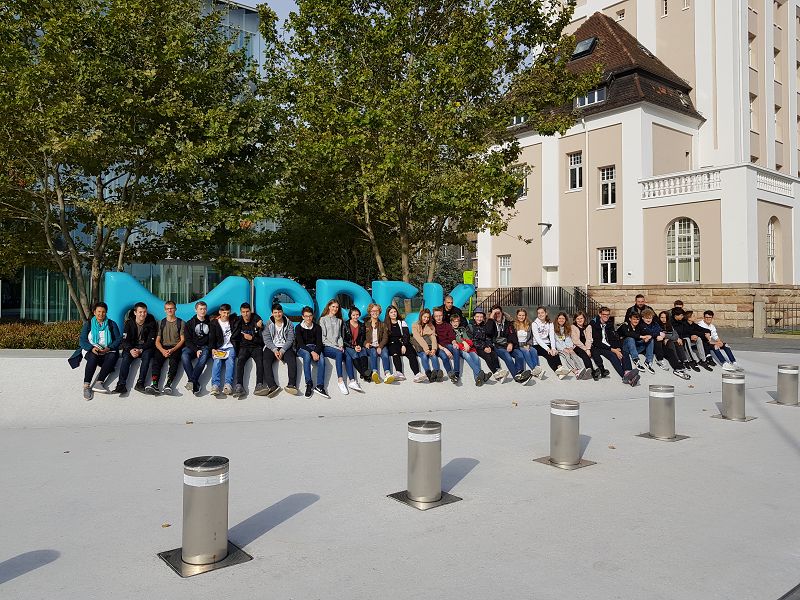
[737,420]
[173,558]
[403,497]
[779,404]
[545,460]
[677,438]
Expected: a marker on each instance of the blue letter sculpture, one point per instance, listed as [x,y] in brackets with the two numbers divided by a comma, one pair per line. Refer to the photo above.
[266,288]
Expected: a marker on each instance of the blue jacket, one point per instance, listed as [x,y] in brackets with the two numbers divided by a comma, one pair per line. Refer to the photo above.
[116,338]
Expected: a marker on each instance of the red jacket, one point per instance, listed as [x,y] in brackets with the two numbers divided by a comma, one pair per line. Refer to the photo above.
[445,334]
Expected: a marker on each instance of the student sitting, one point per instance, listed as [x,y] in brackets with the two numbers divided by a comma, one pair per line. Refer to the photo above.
[138,341]
[684,341]
[196,348]
[545,337]
[665,343]
[169,341]
[636,340]
[278,338]
[502,343]
[355,355]
[566,348]
[448,353]
[400,346]
[638,307]
[479,334]
[698,338]
[526,344]
[249,344]
[466,346]
[581,333]
[376,340]
[449,310]
[717,345]
[332,344]
[424,342]
[308,340]
[606,344]
[221,337]
[100,339]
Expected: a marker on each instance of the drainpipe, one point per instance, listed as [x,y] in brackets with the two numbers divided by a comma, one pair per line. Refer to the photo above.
[586,191]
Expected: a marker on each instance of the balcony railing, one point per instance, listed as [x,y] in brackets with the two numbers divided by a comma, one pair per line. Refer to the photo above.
[682,183]
[770,182]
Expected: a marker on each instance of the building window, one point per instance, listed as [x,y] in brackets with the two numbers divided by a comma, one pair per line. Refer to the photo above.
[771,272]
[753,113]
[522,190]
[518,120]
[504,263]
[608,186]
[621,15]
[683,251]
[593,97]
[751,52]
[776,66]
[686,4]
[575,170]
[608,265]
[664,7]
[778,128]
[462,252]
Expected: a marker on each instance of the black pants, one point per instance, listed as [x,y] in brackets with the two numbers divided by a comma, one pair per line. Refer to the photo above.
[490,358]
[158,361]
[397,358]
[127,361]
[605,352]
[289,357]
[244,354]
[587,362]
[553,361]
[666,349]
[106,363]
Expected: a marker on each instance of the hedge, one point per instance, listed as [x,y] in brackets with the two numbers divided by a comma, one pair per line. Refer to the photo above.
[51,336]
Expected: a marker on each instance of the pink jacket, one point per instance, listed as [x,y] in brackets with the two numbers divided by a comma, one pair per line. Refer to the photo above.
[576,337]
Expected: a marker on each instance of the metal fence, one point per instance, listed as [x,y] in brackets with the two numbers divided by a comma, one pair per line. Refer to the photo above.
[555,298]
[782,318]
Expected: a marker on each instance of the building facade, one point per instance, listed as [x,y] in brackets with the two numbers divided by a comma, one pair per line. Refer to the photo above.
[684,165]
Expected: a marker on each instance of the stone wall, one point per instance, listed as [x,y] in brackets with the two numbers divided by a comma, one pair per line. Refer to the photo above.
[732,303]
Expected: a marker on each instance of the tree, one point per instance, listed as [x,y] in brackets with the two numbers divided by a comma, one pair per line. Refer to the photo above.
[121,121]
[400,113]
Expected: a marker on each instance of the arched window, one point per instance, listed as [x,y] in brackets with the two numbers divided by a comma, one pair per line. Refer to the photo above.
[772,271]
[683,251]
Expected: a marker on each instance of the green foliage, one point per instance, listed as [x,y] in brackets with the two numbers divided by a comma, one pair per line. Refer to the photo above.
[49,336]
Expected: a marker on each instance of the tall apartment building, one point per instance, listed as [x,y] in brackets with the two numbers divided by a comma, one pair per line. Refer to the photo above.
[684,166]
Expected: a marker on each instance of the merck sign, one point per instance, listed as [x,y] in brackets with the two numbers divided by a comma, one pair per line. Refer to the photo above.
[123,291]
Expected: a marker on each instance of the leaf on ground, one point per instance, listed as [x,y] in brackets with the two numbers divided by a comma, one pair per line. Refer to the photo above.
[612,447]
[190,422]
[66,451]
[165,525]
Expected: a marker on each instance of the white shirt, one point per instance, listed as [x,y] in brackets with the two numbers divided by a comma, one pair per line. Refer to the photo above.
[226,334]
[712,328]
[279,339]
[522,336]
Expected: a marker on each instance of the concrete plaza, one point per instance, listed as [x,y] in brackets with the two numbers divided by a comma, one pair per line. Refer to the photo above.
[93,491]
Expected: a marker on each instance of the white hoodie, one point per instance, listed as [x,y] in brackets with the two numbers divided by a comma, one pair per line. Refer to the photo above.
[544,334]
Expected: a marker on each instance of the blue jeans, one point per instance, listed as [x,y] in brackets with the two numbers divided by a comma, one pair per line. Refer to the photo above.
[385,360]
[514,360]
[193,373]
[530,356]
[471,358]
[451,366]
[338,356]
[230,363]
[635,347]
[350,355]
[720,357]
[429,363]
[305,354]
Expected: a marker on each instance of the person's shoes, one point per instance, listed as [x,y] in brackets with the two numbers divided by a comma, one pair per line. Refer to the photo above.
[321,391]
[139,387]
[662,365]
[440,376]
[420,377]
[353,385]
[523,377]
[605,373]
[738,367]
[292,389]
[710,361]
[215,390]
[726,366]
[309,390]
[275,390]
[227,390]
[635,379]
[453,377]
[375,377]
[500,375]
[167,389]
[538,372]
[196,388]
[238,391]
[261,389]
[694,366]
[638,365]
[389,378]
[479,380]
[189,385]
[584,374]
[596,374]
[151,390]
[120,389]
[343,388]
[486,377]
[431,376]
[706,366]
[562,372]
[399,376]
[682,374]
[627,376]
[87,392]
[649,367]
[100,387]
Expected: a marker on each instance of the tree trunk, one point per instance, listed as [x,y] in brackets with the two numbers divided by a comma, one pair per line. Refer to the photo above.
[123,246]
[376,251]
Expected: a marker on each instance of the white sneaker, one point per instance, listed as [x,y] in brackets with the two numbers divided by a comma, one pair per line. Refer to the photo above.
[343,388]
[420,378]
[662,365]
[389,378]
[227,389]
[562,372]
[353,385]
[500,375]
[100,387]
[399,376]
[538,372]
[726,366]
[738,367]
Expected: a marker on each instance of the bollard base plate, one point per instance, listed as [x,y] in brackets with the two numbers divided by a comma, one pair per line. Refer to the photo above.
[779,404]
[677,438]
[235,556]
[545,460]
[403,497]
[724,418]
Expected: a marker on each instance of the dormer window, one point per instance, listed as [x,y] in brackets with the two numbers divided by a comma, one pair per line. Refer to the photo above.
[593,97]
[584,47]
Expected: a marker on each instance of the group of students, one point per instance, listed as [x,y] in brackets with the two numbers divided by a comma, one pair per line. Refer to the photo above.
[433,346]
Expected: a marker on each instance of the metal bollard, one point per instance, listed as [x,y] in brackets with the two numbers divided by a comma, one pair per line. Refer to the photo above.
[565,446]
[662,411]
[205,510]
[424,461]
[787,384]
[733,397]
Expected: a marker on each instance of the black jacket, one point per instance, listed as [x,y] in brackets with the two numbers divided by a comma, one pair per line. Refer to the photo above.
[215,336]
[453,311]
[482,336]
[308,337]
[197,333]
[251,328]
[611,336]
[130,334]
[347,335]
[503,329]
[635,309]
[682,328]
[627,330]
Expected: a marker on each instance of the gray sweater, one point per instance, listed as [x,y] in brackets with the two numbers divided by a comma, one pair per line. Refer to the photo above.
[331,331]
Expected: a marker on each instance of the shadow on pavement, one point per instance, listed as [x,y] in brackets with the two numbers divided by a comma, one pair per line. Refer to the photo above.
[584,442]
[260,523]
[23,563]
[454,471]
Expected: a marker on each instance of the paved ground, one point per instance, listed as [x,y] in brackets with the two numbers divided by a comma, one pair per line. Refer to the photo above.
[89,488]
